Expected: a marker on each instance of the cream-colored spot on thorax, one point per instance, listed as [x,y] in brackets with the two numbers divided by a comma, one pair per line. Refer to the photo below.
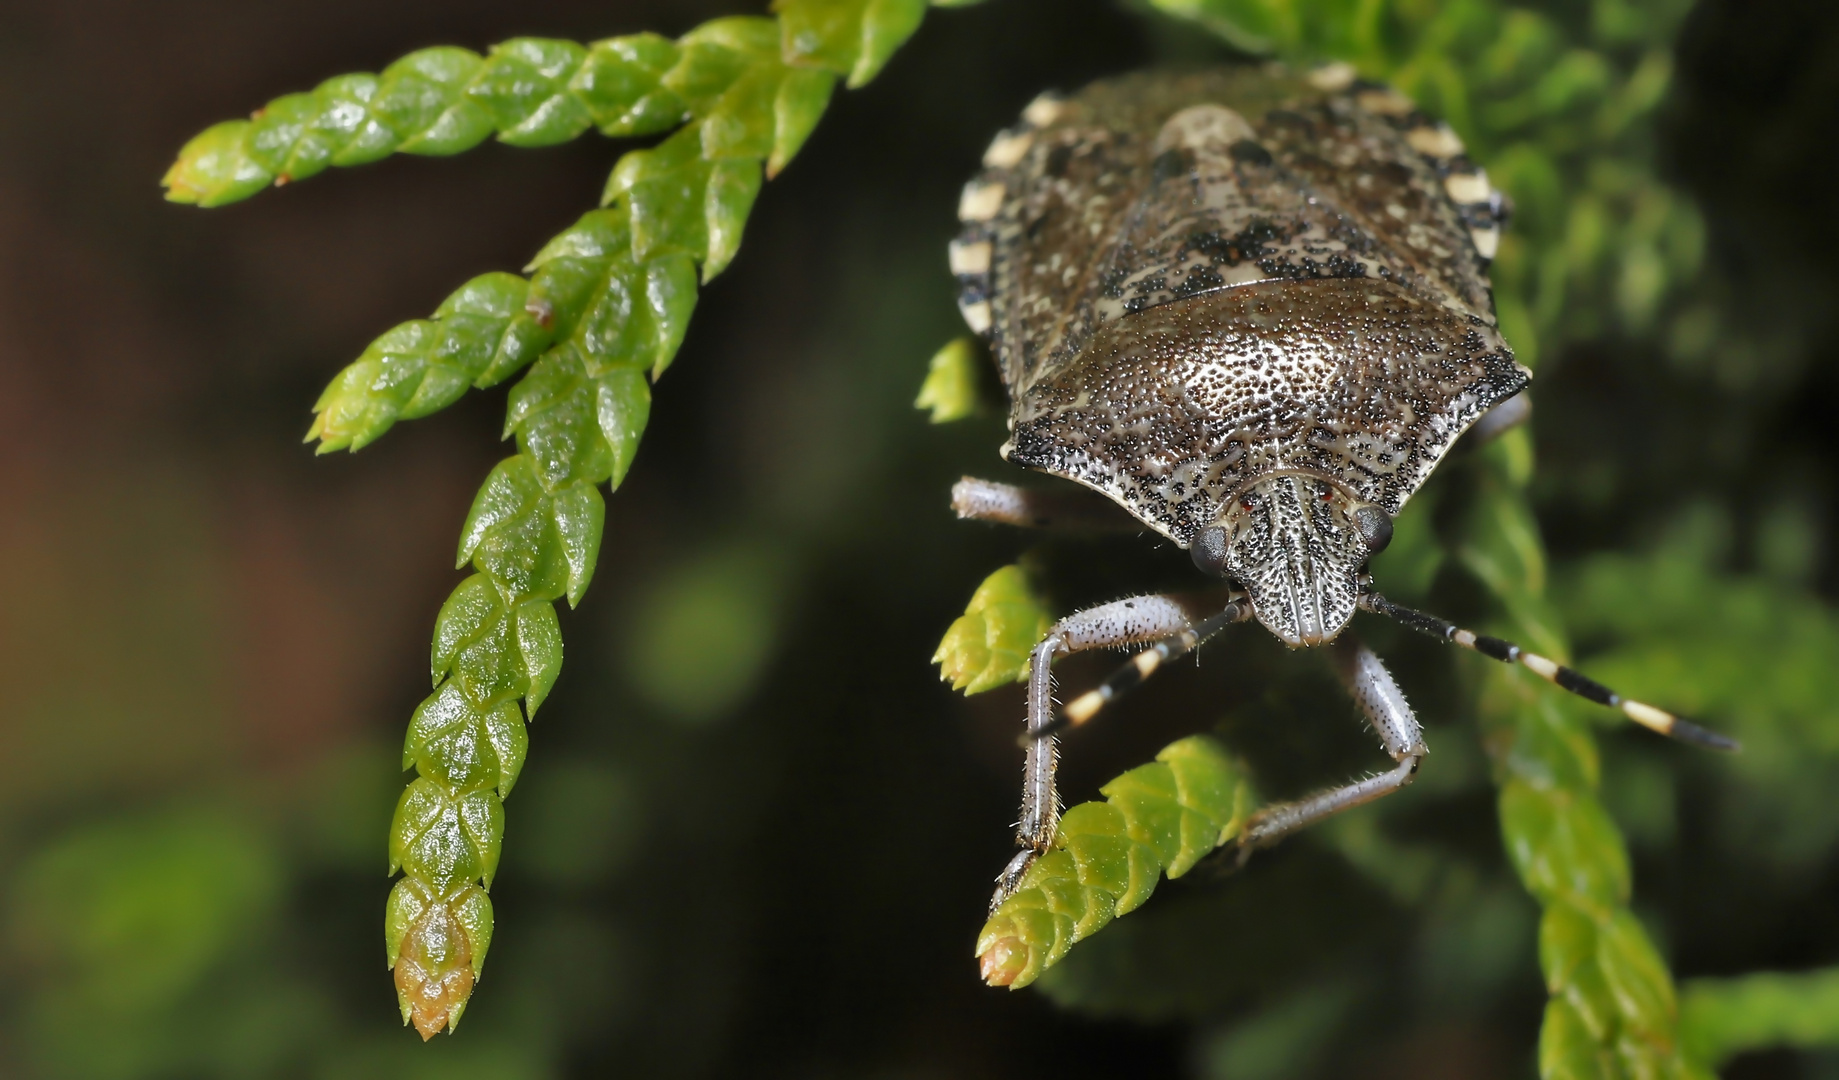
[1228,378]
[1202,126]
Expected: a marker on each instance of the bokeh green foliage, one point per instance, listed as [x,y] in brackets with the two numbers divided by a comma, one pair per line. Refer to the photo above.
[951,390]
[138,914]
[1726,1016]
[598,316]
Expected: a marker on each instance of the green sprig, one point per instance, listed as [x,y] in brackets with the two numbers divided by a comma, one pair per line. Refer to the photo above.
[479,336]
[1156,819]
[988,645]
[600,315]
[1612,1009]
[951,387]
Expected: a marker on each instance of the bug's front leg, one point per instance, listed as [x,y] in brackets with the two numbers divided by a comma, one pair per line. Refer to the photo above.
[1391,718]
[1121,622]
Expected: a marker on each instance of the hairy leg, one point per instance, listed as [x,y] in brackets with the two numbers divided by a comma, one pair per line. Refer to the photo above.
[1499,420]
[1132,621]
[1082,709]
[1391,718]
[1065,508]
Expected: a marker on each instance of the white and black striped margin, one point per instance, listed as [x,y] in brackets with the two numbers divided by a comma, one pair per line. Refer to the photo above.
[1551,671]
[1482,209]
[982,203]
[1083,708]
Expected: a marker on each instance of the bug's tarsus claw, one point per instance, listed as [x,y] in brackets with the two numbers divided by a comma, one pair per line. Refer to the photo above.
[1223,862]
[1010,879]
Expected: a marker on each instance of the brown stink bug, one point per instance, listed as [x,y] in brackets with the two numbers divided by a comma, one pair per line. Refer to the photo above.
[1251,307]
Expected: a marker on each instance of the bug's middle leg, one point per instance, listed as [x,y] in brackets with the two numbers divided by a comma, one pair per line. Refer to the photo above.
[1130,621]
[1066,508]
[1391,718]
[1497,421]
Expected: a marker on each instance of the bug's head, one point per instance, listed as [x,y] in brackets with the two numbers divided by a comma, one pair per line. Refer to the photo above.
[1297,544]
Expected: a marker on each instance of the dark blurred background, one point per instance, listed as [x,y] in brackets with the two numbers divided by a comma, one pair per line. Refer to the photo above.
[755,834]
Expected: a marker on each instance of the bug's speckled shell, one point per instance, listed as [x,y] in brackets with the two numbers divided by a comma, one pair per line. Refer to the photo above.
[1193,280]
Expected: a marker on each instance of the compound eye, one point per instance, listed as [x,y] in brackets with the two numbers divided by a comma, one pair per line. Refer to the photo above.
[1375,527]
[1209,551]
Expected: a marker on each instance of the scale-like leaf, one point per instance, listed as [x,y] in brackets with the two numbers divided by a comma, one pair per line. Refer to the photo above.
[446,837]
[539,642]
[466,743]
[988,645]
[950,389]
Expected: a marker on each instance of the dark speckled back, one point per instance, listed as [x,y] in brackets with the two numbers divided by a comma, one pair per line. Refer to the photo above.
[1193,279]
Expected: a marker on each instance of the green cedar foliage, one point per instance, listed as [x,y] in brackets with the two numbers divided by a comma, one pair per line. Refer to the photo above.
[1156,819]
[951,387]
[596,318]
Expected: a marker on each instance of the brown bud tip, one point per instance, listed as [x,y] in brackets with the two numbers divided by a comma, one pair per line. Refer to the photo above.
[282,180]
[434,972]
[1001,963]
[542,311]
[433,997]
